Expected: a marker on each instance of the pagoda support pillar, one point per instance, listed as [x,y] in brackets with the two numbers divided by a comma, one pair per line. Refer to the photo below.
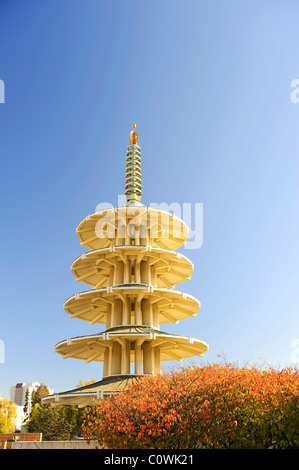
[138,357]
[157,360]
[144,273]
[148,358]
[116,359]
[119,275]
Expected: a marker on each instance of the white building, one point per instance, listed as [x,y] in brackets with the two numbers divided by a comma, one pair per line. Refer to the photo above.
[18,393]
[19,418]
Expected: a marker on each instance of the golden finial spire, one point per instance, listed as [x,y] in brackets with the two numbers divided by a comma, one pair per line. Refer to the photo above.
[133,190]
[133,136]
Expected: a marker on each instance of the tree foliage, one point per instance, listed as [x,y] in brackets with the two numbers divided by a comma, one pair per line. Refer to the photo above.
[88,382]
[216,406]
[8,414]
[36,396]
[26,406]
[56,423]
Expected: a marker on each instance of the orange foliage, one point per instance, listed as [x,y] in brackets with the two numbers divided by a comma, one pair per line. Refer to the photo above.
[216,406]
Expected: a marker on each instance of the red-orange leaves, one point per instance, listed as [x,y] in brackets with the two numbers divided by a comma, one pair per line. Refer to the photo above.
[216,406]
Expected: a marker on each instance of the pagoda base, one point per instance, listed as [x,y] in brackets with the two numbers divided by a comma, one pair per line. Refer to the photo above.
[87,395]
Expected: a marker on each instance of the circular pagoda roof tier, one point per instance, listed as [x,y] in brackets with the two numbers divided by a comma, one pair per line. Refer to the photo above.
[92,347]
[108,227]
[93,305]
[94,267]
[86,395]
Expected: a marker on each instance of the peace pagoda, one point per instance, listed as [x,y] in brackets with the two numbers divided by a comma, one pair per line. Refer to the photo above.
[133,269]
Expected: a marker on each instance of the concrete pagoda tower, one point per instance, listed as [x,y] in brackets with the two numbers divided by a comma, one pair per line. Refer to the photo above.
[133,270]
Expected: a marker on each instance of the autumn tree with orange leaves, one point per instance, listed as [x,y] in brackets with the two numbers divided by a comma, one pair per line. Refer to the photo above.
[216,406]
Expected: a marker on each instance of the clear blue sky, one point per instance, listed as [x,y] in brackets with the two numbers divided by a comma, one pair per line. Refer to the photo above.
[208,84]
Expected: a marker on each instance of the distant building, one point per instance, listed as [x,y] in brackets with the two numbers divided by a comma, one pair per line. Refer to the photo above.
[19,418]
[18,393]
